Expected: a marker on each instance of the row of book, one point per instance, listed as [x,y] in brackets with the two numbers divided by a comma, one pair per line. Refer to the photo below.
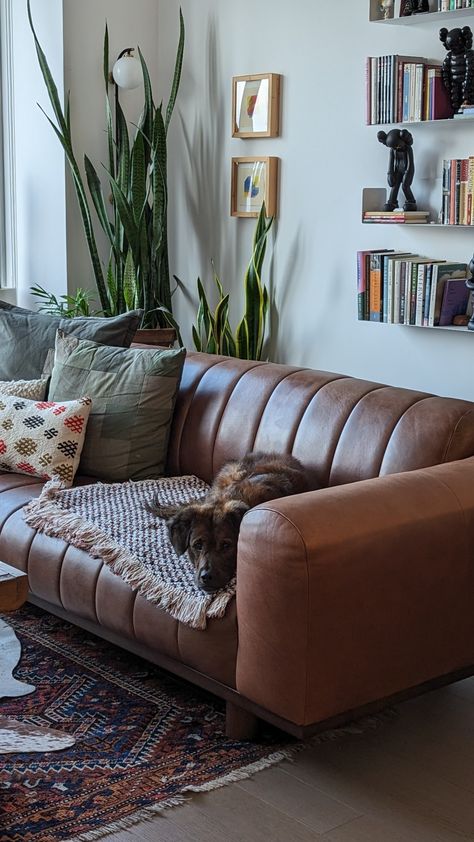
[452,5]
[405,89]
[409,289]
[457,191]
[398,215]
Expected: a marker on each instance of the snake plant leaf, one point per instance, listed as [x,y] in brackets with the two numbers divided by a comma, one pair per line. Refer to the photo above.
[68,114]
[160,206]
[95,189]
[229,347]
[158,178]
[126,217]
[177,72]
[146,120]
[123,150]
[144,253]
[105,63]
[108,110]
[254,316]
[110,136]
[138,184]
[221,314]
[217,281]
[242,340]
[251,331]
[264,319]
[205,310]
[196,339]
[206,326]
[112,287]
[129,283]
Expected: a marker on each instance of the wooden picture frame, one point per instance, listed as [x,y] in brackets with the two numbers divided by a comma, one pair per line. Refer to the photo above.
[253,181]
[256,105]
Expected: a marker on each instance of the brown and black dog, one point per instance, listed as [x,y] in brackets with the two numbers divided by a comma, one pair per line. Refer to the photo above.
[209,528]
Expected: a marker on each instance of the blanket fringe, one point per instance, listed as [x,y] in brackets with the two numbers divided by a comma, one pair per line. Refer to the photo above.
[45,515]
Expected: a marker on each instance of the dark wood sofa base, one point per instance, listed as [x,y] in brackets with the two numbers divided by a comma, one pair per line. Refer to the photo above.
[243,715]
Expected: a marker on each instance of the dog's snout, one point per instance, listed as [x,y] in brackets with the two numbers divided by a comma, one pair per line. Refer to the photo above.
[207,580]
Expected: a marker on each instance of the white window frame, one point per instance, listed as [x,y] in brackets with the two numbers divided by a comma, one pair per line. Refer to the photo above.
[8,234]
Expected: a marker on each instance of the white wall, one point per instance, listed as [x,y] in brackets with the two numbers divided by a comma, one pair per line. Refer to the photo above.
[327,156]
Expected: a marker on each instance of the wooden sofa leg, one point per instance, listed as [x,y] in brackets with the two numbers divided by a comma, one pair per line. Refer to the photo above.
[239,723]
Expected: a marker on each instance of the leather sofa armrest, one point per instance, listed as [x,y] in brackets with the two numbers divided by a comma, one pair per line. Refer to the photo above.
[350,594]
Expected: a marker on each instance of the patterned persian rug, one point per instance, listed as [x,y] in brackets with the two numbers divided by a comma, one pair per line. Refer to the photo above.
[143,738]
[111,522]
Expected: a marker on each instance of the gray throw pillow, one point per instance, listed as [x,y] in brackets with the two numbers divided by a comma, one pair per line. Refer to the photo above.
[27,338]
[133,395]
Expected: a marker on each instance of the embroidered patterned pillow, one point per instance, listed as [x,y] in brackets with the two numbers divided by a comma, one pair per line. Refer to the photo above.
[42,438]
[34,390]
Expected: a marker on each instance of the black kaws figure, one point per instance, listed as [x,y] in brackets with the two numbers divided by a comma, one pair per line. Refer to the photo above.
[401,167]
[458,66]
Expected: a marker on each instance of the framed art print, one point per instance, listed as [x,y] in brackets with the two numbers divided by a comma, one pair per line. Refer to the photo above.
[254,181]
[256,105]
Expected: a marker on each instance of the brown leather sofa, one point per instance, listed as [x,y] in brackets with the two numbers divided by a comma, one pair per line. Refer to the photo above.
[347,596]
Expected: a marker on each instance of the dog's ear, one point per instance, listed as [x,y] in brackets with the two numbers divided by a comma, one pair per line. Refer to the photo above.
[179,528]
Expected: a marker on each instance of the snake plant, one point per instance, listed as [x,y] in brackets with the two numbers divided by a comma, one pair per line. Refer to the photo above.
[212,332]
[135,225]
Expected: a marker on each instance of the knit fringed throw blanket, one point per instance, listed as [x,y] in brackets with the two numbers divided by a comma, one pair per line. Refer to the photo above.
[111,522]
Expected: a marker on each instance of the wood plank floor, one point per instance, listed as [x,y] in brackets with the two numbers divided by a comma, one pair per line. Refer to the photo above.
[411,780]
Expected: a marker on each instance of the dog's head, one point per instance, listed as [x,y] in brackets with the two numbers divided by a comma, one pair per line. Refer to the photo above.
[209,533]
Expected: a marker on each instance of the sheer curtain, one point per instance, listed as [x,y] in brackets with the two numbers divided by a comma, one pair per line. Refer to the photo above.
[8,251]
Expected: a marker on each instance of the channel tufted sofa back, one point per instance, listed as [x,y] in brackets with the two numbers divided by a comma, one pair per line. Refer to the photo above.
[342,428]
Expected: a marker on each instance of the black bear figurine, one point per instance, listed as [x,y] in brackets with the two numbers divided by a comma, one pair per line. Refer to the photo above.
[458,66]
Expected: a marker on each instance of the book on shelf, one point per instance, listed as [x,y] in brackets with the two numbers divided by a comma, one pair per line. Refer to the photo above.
[375,286]
[454,301]
[457,191]
[444,272]
[437,105]
[392,264]
[398,216]
[363,281]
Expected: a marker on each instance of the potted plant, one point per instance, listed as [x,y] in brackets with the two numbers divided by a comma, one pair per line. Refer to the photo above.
[212,332]
[135,223]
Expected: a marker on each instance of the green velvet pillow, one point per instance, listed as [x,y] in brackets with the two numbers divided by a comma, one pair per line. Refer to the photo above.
[27,338]
[133,395]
